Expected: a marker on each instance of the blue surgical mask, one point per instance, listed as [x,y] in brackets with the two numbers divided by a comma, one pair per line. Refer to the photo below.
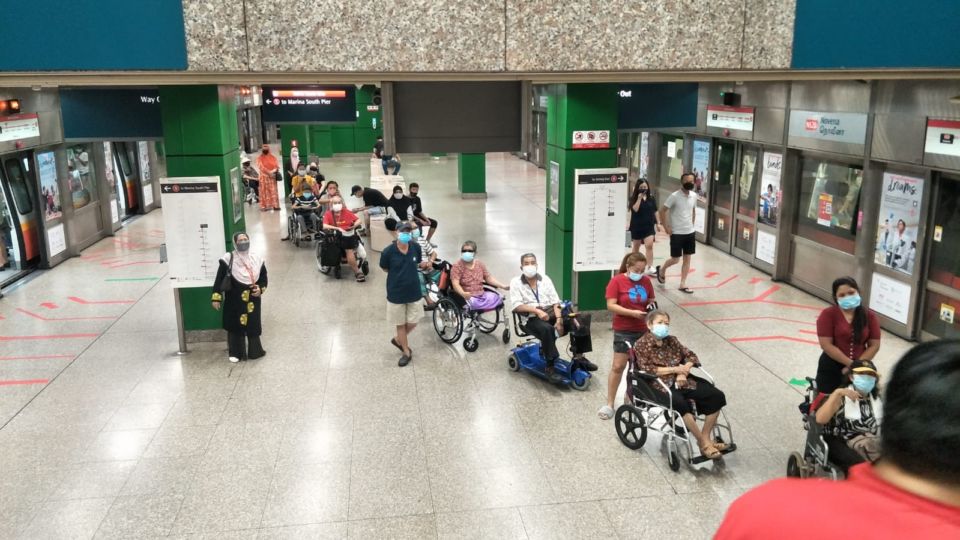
[634,276]
[849,302]
[660,330]
[307,195]
[416,233]
[864,383]
[404,237]
[467,256]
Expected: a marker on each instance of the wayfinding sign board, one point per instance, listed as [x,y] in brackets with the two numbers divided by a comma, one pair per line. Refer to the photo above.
[599,218]
[193,223]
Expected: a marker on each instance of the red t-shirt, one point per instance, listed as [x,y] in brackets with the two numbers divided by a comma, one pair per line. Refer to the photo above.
[863,506]
[631,295]
[345,219]
[832,324]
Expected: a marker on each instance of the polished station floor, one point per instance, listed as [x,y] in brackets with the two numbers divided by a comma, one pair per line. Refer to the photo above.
[107,433]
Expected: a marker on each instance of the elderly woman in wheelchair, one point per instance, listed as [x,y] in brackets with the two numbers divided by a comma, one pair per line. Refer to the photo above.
[661,383]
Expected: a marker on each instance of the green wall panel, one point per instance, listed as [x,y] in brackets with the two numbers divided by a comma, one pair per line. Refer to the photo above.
[321,141]
[343,139]
[198,120]
[559,259]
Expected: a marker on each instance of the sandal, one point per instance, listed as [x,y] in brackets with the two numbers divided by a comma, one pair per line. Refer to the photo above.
[710,451]
[660,277]
[360,277]
[720,446]
[687,290]
[605,412]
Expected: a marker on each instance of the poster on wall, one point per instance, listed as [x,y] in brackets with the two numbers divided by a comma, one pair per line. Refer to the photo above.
[237,191]
[644,154]
[766,246]
[56,240]
[599,213]
[554,188]
[49,190]
[590,139]
[108,174]
[700,167]
[770,194]
[146,173]
[890,297]
[700,220]
[899,222]
[825,209]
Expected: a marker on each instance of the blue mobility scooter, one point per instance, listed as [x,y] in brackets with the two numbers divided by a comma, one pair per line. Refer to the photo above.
[527,356]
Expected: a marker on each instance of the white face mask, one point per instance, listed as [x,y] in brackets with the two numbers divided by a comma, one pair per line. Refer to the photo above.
[530,270]
[397,195]
[337,207]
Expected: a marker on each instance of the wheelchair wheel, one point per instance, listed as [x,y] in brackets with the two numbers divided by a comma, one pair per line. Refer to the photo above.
[582,386]
[513,362]
[447,320]
[488,321]
[796,466]
[471,344]
[673,460]
[631,428]
[506,336]
[323,269]
[297,233]
[365,267]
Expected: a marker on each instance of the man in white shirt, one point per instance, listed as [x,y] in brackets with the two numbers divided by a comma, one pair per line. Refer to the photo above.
[534,297]
[678,214]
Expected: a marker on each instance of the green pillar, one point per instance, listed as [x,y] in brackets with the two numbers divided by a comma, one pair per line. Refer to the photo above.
[472,175]
[576,107]
[200,138]
[288,134]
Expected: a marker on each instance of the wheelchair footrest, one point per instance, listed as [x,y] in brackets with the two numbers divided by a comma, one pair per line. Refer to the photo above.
[703,459]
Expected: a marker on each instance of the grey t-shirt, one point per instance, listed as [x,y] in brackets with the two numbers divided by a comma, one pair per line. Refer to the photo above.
[681,211]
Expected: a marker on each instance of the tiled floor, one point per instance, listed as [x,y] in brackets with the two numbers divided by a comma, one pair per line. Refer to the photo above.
[326,437]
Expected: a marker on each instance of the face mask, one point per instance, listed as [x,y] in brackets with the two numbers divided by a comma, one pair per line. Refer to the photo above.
[467,256]
[864,383]
[849,302]
[404,237]
[660,330]
[302,172]
[243,245]
[314,171]
[337,207]
[397,195]
[416,233]
[634,276]
[530,270]
[414,193]
[643,191]
[307,194]
[265,151]
[688,186]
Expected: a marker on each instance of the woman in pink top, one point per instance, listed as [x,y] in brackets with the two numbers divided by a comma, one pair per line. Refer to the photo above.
[468,277]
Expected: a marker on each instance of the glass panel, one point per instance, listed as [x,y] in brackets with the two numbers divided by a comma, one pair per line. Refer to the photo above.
[747,201]
[829,200]
[936,317]
[8,250]
[721,228]
[723,176]
[18,185]
[745,236]
[671,163]
[124,160]
[944,255]
[81,176]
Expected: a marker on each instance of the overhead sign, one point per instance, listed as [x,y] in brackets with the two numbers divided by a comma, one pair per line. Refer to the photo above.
[722,116]
[943,137]
[309,104]
[193,223]
[19,126]
[599,217]
[829,126]
[591,139]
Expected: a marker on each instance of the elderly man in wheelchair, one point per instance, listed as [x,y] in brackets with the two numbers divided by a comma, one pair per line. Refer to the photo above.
[540,311]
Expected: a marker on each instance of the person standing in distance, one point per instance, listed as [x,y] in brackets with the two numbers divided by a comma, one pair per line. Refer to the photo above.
[678,214]
[402,261]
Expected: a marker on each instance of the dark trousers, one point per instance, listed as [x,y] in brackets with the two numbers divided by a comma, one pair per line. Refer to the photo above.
[840,454]
[546,333]
[237,345]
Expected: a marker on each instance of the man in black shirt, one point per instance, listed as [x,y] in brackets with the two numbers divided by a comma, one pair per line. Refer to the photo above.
[374,204]
[418,214]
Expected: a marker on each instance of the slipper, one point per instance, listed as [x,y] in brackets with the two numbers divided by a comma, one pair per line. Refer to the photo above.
[710,452]
[393,341]
[720,446]
[687,290]
[605,412]
[660,277]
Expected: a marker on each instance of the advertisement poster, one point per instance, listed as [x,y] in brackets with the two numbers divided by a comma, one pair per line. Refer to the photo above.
[554,187]
[111,181]
[766,246]
[49,190]
[700,167]
[146,173]
[237,190]
[770,187]
[644,154]
[899,222]
[825,209]
[890,297]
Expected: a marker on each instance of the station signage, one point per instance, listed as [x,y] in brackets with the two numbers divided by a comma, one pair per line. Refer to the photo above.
[724,117]
[591,139]
[943,137]
[309,104]
[829,126]
[19,127]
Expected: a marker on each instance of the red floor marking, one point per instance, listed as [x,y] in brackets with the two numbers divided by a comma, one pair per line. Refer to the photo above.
[26,381]
[755,280]
[733,319]
[40,357]
[761,299]
[91,302]
[692,270]
[812,332]
[42,318]
[132,264]
[49,305]
[718,285]
[773,338]
[711,274]
[54,336]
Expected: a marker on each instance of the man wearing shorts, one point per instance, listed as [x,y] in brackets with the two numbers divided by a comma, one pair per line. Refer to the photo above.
[402,261]
[678,213]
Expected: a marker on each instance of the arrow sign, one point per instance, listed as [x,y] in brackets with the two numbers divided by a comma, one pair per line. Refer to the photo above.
[49,305]
[757,280]
[711,274]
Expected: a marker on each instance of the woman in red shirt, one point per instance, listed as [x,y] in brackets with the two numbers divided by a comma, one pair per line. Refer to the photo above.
[629,296]
[847,332]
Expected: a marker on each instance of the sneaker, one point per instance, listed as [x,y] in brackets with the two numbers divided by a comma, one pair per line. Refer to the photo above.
[234,359]
[404,360]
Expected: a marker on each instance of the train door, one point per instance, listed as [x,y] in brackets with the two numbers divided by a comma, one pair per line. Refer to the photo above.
[125,171]
[733,223]
[941,313]
[112,190]
[19,217]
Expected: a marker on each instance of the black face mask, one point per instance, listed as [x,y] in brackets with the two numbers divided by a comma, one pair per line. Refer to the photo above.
[642,191]
[688,186]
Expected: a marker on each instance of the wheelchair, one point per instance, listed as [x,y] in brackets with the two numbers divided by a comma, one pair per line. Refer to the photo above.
[653,410]
[296,231]
[331,257]
[527,356]
[814,461]
[453,318]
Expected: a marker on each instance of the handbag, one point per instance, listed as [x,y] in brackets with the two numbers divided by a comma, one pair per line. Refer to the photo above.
[226,284]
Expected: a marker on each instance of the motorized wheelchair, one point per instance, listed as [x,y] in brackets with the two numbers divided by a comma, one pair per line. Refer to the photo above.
[331,257]
[653,410]
[527,356]
[814,461]
[453,318]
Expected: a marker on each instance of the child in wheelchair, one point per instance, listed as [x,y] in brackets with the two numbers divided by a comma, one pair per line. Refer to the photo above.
[306,206]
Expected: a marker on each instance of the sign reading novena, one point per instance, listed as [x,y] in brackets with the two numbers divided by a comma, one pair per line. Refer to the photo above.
[309,104]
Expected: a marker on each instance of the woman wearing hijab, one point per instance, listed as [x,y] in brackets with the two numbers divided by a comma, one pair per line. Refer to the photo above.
[240,283]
